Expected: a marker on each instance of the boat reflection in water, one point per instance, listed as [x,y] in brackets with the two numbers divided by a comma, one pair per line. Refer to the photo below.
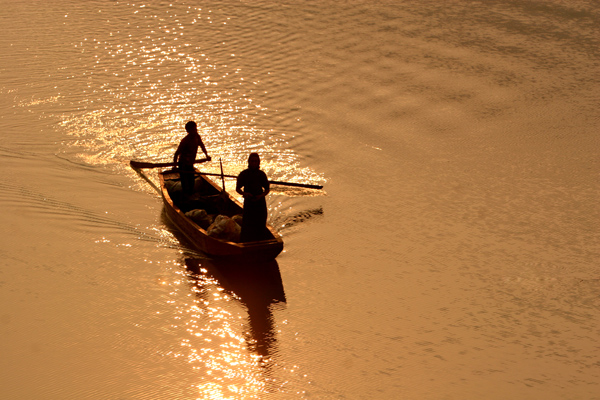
[229,335]
[258,286]
[239,359]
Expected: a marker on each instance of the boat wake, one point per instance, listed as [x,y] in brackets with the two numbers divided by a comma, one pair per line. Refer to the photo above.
[285,222]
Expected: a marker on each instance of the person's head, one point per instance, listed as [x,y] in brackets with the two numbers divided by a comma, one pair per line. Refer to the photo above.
[254,161]
[191,127]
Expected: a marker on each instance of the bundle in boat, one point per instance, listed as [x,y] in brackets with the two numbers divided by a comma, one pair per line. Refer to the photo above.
[200,218]
[225,228]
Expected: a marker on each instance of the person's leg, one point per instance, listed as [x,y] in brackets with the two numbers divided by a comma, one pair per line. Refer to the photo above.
[186,175]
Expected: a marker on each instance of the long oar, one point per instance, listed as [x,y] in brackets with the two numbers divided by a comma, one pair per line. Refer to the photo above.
[303,185]
[141,164]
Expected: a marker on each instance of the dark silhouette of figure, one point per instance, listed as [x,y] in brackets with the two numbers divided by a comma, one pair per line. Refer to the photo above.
[253,185]
[185,155]
[259,287]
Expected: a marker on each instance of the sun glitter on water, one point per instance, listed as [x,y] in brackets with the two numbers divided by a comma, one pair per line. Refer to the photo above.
[212,326]
[137,95]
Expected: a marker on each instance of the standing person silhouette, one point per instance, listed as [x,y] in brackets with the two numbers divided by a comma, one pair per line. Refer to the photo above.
[253,185]
[185,155]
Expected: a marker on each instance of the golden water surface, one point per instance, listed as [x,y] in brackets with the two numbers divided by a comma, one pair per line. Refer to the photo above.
[453,253]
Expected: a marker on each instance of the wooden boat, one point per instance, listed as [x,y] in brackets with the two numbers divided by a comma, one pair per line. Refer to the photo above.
[209,195]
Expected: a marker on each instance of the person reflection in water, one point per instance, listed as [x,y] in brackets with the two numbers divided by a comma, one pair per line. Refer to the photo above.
[253,185]
[185,155]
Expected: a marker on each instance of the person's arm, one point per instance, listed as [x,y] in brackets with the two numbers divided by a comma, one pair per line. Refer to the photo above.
[201,144]
[177,153]
[239,185]
[266,186]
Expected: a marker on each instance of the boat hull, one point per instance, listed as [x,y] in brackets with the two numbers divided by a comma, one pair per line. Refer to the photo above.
[262,250]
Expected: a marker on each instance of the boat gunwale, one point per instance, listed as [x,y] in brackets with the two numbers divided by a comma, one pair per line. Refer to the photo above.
[254,245]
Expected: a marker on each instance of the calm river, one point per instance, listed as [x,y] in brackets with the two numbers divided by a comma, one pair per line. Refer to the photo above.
[454,252]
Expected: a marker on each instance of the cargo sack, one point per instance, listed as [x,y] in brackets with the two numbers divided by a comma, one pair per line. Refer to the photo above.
[200,217]
[225,228]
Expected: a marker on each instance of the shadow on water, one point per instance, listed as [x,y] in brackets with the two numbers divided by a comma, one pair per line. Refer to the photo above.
[258,286]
